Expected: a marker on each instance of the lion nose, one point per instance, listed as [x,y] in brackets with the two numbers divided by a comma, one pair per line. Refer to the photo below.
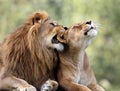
[65,28]
[88,22]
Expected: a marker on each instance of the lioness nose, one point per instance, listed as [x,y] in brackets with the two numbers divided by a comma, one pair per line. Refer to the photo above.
[88,22]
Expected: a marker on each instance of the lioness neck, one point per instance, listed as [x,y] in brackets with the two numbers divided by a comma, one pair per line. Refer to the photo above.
[77,52]
[72,56]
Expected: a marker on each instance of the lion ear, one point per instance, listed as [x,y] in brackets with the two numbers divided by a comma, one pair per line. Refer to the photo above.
[39,17]
[36,19]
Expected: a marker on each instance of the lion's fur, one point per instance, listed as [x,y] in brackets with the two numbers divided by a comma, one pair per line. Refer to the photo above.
[25,54]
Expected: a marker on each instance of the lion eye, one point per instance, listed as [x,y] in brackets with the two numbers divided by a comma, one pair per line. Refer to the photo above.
[65,28]
[52,24]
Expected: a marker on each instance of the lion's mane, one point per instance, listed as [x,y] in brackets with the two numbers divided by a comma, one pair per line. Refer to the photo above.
[23,54]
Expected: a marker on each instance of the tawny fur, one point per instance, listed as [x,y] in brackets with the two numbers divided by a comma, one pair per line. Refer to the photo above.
[75,72]
[27,55]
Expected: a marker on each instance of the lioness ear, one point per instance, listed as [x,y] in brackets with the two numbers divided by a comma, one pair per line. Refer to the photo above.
[62,37]
[39,17]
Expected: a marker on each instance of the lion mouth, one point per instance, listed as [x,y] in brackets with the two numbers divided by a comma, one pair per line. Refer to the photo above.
[54,40]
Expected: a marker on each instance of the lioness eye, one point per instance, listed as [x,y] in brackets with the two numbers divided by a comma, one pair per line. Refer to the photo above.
[88,22]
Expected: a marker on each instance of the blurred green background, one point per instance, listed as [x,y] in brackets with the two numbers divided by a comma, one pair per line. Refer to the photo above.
[104,51]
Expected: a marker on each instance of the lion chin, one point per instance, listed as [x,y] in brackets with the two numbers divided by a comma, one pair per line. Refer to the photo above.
[28,56]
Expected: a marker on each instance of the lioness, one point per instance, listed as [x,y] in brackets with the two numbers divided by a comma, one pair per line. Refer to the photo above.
[75,72]
[28,55]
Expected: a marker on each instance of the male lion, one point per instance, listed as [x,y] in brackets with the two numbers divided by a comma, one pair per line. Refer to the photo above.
[28,55]
[75,72]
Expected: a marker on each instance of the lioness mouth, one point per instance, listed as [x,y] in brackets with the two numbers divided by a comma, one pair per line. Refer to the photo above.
[54,40]
[88,30]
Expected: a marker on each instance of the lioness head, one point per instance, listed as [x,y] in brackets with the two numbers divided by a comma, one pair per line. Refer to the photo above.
[46,30]
[79,34]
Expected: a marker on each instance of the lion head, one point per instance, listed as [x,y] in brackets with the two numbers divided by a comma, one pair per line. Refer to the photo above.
[46,30]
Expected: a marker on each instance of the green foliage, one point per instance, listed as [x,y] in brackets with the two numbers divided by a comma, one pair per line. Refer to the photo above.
[104,50]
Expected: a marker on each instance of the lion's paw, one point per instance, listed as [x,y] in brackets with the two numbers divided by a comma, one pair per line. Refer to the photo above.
[27,88]
[49,85]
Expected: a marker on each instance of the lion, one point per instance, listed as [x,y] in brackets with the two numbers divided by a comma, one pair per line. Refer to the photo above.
[75,72]
[29,54]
